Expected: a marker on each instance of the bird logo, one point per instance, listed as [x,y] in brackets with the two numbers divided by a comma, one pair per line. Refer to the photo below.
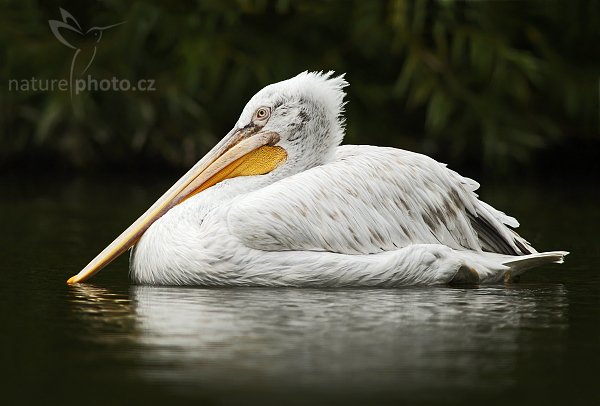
[85,43]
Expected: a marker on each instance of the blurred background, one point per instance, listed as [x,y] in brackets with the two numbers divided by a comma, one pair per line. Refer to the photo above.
[489,87]
[506,92]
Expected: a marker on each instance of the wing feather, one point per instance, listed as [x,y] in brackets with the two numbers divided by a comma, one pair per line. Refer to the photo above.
[369,200]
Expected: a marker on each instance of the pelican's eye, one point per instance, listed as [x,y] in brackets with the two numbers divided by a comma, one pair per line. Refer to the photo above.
[262,114]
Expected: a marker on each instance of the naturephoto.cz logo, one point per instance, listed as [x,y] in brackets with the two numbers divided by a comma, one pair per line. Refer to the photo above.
[85,44]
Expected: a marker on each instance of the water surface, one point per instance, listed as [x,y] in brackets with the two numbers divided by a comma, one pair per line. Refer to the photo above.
[536,342]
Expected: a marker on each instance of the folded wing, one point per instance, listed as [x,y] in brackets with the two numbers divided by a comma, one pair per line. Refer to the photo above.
[369,200]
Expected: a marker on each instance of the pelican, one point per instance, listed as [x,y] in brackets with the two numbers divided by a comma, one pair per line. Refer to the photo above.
[278,202]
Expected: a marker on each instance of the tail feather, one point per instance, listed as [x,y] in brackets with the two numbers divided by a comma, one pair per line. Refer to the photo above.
[484,267]
[520,264]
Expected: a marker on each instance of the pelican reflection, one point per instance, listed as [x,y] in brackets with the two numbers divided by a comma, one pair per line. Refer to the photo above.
[323,339]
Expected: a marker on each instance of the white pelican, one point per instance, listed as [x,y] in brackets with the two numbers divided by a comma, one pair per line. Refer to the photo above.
[278,202]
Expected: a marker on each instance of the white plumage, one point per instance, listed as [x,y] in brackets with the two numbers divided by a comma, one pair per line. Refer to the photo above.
[331,215]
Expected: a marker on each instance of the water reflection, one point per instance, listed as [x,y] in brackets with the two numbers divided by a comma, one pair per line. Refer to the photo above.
[360,340]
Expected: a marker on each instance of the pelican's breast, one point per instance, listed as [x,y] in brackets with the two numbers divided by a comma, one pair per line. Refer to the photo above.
[188,242]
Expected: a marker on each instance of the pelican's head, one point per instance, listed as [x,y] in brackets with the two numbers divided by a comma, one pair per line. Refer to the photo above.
[306,114]
[285,128]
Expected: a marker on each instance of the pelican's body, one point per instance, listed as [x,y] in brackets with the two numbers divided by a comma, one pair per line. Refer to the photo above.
[304,211]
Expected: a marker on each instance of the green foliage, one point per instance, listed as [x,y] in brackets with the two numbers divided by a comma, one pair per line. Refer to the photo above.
[481,82]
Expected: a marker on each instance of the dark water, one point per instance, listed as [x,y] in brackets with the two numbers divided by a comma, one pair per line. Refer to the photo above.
[536,342]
